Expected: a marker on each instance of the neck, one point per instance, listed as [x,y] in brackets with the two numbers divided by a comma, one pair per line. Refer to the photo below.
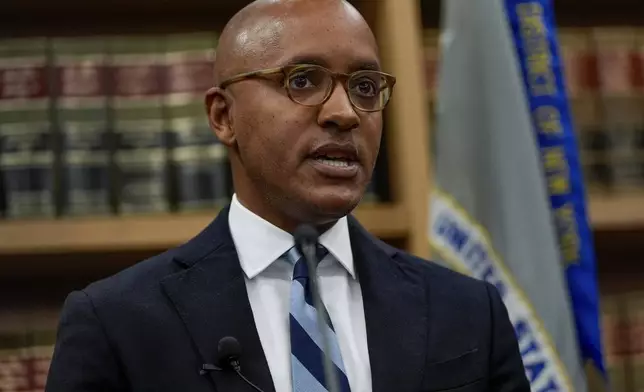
[284,214]
[280,220]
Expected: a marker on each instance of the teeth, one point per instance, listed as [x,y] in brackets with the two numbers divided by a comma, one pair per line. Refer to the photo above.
[332,162]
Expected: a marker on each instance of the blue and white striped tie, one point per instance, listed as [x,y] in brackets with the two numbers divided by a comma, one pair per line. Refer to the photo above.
[307,366]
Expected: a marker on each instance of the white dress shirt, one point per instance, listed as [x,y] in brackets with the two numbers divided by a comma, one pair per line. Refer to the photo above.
[268,282]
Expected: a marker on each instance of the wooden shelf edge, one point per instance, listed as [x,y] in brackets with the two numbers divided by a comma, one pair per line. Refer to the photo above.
[150,232]
[616,212]
[384,220]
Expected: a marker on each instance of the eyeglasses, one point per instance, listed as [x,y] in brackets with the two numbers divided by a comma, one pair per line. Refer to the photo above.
[312,85]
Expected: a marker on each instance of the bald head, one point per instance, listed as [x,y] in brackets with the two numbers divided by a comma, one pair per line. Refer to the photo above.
[259,32]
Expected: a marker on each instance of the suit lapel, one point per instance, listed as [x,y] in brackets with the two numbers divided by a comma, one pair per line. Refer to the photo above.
[210,297]
[394,297]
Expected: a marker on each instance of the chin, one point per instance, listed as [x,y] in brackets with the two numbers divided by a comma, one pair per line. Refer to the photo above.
[333,204]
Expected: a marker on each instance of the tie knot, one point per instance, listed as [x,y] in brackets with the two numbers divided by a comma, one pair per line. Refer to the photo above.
[300,269]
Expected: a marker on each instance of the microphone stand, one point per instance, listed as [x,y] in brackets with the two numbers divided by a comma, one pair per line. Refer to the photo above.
[308,250]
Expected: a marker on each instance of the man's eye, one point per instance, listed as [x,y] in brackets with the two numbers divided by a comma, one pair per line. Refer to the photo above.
[366,87]
[300,81]
[309,79]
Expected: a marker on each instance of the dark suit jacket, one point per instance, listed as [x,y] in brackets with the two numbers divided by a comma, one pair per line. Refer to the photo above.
[152,326]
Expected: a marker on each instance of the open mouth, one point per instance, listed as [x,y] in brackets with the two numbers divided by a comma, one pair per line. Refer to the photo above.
[336,154]
[336,160]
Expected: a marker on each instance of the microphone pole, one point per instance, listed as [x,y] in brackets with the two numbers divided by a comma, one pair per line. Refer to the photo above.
[306,241]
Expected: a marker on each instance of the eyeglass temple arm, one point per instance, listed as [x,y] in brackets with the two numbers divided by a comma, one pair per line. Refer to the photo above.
[248,75]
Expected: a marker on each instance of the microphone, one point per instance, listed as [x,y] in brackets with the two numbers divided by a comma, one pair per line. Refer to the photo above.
[306,241]
[228,357]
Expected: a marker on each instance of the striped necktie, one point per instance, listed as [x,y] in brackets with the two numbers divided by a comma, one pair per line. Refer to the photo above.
[307,366]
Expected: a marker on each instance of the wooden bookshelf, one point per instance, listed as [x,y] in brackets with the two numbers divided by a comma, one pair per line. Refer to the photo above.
[616,212]
[134,233]
[403,220]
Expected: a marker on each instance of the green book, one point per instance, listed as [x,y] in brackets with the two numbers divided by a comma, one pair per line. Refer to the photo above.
[199,162]
[140,156]
[82,120]
[26,137]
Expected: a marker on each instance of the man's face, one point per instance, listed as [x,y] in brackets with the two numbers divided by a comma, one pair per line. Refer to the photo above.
[309,162]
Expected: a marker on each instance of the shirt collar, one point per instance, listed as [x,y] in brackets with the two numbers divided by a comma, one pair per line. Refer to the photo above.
[259,243]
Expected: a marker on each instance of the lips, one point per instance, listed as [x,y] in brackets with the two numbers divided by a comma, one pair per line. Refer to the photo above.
[336,152]
[335,160]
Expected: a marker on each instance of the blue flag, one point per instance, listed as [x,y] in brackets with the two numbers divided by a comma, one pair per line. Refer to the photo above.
[509,204]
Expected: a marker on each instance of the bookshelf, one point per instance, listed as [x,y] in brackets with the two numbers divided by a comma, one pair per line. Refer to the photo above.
[409,170]
[616,212]
[136,233]
[400,217]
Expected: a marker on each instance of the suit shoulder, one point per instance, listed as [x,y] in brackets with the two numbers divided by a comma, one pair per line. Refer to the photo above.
[445,281]
[438,277]
[430,268]
[135,278]
[439,271]
[141,280]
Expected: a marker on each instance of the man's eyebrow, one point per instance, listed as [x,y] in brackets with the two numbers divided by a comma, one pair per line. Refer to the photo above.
[361,65]
[307,59]
[358,65]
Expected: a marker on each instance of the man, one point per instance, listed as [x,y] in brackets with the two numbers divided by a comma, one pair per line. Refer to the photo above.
[298,103]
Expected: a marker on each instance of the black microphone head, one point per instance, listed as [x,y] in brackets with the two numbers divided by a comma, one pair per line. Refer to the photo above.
[305,235]
[228,349]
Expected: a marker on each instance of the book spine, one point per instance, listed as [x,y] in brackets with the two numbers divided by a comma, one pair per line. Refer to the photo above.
[25,357]
[27,338]
[140,157]
[199,162]
[3,192]
[580,69]
[82,121]
[615,341]
[27,156]
[635,306]
[639,83]
[621,114]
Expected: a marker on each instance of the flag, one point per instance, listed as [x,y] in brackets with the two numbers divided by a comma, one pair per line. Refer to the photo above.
[508,205]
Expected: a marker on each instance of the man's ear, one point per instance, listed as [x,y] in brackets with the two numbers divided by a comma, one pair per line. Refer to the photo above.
[218,109]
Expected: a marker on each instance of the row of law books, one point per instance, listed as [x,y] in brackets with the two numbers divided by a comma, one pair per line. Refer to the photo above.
[603,68]
[104,125]
[25,357]
[623,339]
[27,338]
[98,125]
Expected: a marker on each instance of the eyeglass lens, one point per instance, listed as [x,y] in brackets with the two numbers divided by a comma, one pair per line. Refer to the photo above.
[310,86]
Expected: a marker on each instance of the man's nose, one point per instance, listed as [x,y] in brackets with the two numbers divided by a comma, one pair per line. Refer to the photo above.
[338,111]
